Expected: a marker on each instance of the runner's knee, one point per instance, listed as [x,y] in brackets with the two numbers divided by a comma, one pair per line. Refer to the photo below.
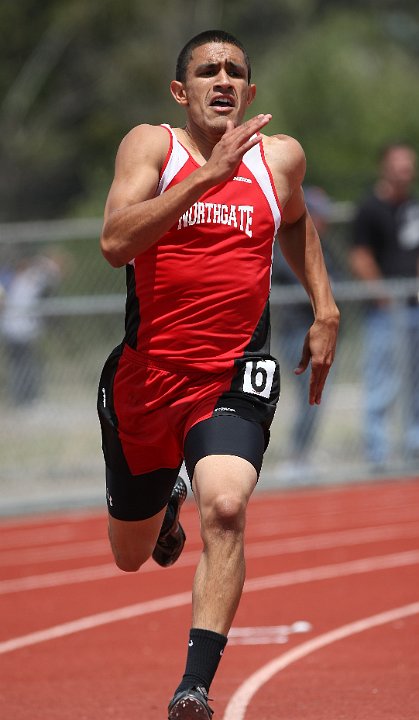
[226,512]
[132,543]
[130,561]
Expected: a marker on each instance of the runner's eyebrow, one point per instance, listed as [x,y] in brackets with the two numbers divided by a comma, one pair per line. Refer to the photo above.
[238,67]
[206,66]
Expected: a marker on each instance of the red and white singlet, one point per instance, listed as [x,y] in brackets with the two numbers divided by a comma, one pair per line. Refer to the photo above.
[196,298]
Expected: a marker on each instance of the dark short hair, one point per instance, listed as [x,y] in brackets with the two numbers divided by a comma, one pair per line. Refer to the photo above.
[208,36]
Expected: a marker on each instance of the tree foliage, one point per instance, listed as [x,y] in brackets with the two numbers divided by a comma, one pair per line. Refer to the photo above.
[75,77]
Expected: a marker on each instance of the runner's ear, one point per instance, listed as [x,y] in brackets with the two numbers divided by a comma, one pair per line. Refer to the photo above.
[178,91]
[251,93]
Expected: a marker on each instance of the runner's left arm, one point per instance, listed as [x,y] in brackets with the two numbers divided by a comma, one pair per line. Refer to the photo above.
[301,247]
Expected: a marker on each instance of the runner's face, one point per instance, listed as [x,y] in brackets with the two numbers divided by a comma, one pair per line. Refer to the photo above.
[216,87]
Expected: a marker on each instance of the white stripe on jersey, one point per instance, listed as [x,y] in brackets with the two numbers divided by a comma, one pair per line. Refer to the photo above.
[254,162]
[178,158]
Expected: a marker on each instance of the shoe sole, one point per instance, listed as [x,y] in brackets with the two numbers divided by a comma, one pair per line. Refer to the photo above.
[160,554]
[166,560]
[189,708]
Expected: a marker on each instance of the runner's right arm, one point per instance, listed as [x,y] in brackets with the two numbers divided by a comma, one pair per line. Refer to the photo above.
[134,217]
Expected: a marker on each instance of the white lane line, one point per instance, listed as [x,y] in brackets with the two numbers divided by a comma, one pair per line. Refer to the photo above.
[11,539]
[319,541]
[287,525]
[34,531]
[238,704]
[326,572]
[79,549]
[61,577]
[290,578]
[266,635]
[338,538]
[93,621]
[37,529]
[84,575]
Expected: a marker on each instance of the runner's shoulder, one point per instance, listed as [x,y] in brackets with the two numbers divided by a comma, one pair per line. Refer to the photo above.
[145,140]
[284,155]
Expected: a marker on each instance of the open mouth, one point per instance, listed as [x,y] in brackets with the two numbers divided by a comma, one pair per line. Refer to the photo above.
[222,102]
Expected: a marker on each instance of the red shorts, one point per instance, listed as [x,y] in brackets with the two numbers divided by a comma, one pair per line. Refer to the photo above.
[152,418]
[156,409]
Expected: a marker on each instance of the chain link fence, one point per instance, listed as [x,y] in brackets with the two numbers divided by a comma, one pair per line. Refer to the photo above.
[67,315]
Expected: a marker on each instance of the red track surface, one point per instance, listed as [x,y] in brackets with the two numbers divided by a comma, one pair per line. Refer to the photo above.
[79,639]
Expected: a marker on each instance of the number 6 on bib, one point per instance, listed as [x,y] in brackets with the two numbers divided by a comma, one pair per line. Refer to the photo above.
[258,377]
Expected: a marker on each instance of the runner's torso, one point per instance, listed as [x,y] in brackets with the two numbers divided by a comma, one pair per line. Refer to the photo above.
[199,298]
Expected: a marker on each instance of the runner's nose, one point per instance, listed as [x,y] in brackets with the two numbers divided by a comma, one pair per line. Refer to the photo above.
[223,80]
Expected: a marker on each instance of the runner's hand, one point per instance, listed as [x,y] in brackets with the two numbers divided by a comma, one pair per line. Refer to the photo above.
[236,141]
[319,347]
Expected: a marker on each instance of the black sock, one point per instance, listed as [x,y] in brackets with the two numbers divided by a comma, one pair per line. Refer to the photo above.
[204,653]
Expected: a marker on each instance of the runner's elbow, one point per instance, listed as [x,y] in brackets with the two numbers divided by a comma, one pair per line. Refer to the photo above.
[111,250]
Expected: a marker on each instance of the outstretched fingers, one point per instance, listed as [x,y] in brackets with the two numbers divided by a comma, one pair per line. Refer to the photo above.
[248,132]
[241,138]
[235,142]
[318,379]
[319,348]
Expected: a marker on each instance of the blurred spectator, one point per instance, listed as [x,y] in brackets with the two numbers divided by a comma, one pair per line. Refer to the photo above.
[290,324]
[32,278]
[386,245]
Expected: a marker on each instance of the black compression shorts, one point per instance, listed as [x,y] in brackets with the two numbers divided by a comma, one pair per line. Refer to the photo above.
[131,497]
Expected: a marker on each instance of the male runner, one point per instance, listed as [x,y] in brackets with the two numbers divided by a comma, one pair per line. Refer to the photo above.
[193,213]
